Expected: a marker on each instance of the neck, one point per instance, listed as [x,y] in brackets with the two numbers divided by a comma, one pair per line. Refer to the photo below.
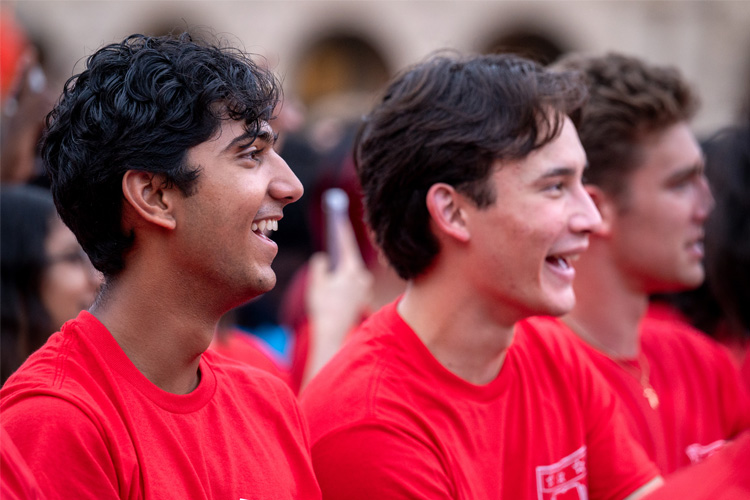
[608,308]
[161,331]
[463,334]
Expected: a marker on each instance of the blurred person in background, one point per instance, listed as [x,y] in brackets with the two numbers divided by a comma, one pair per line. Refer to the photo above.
[719,307]
[25,99]
[344,282]
[681,393]
[722,307]
[46,277]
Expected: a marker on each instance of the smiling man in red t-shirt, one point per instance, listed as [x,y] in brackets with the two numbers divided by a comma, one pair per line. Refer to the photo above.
[162,163]
[471,174]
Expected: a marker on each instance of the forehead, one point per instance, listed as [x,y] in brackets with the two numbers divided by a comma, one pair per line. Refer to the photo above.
[59,235]
[563,153]
[667,151]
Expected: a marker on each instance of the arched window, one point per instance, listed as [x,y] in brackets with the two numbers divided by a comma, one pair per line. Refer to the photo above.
[527,42]
[339,64]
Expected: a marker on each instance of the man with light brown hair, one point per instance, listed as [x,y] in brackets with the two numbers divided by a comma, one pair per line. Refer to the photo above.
[681,393]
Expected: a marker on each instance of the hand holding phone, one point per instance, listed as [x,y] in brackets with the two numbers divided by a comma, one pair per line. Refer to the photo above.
[336,210]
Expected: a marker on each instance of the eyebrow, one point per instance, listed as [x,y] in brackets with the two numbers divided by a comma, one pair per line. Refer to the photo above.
[559,172]
[264,135]
[697,168]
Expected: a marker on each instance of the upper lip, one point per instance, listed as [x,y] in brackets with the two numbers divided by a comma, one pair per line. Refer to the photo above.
[570,254]
[699,237]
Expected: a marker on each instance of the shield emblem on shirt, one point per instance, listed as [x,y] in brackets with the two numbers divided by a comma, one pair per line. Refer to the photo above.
[563,480]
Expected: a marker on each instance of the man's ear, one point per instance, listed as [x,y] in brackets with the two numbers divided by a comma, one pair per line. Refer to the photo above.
[150,199]
[444,204]
[607,206]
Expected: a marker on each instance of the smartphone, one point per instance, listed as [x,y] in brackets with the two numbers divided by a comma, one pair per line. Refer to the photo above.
[335,209]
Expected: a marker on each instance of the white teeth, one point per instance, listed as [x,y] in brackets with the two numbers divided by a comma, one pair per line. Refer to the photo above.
[266,225]
[559,261]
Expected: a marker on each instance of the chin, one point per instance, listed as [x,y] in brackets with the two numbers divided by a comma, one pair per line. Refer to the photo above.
[696,279]
[682,283]
[256,285]
[266,283]
[558,306]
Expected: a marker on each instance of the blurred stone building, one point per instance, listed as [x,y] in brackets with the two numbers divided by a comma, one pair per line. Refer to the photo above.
[333,54]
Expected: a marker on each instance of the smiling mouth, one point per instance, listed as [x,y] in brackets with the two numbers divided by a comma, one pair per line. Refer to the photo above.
[265,227]
[563,262]
[696,247]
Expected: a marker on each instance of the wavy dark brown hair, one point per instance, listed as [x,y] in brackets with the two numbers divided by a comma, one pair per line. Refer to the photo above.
[448,120]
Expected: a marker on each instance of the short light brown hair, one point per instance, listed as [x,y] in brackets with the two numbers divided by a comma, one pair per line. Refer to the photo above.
[628,101]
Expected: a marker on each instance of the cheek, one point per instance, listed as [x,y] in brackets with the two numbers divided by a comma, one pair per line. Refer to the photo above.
[64,291]
[53,296]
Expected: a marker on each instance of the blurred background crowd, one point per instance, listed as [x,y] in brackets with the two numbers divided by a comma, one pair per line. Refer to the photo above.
[332,57]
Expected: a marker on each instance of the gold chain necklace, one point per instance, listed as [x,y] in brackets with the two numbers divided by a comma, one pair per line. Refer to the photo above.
[644,369]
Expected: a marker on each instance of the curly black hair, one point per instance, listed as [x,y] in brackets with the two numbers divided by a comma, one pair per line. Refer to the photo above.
[140,105]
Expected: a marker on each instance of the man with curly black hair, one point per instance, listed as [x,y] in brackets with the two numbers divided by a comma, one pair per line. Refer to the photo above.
[162,163]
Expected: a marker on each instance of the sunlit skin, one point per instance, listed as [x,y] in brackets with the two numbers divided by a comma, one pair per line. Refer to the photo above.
[657,228]
[504,262]
[243,184]
[69,282]
[197,255]
[650,241]
[542,212]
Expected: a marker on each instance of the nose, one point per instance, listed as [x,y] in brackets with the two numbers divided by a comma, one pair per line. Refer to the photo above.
[706,201]
[586,217]
[285,186]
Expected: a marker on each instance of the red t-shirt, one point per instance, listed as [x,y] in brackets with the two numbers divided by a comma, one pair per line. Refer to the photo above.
[90,425]
[722,476]
[701,398]
[387,420]
[16,480]
[242,346]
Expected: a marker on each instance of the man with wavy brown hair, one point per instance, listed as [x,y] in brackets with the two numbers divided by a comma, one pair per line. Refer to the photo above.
[681,394]
[471,173]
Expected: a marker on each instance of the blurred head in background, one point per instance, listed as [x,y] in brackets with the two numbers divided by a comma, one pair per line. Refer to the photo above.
[46,277]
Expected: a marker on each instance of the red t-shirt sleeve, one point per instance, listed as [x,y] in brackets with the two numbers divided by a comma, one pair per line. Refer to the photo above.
[722,476]
[16,480]
[62,447]
[374,461]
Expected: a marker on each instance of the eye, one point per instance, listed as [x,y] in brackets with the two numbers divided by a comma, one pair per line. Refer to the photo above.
[687,181]
[555,188]
[252,153]
[71,257]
